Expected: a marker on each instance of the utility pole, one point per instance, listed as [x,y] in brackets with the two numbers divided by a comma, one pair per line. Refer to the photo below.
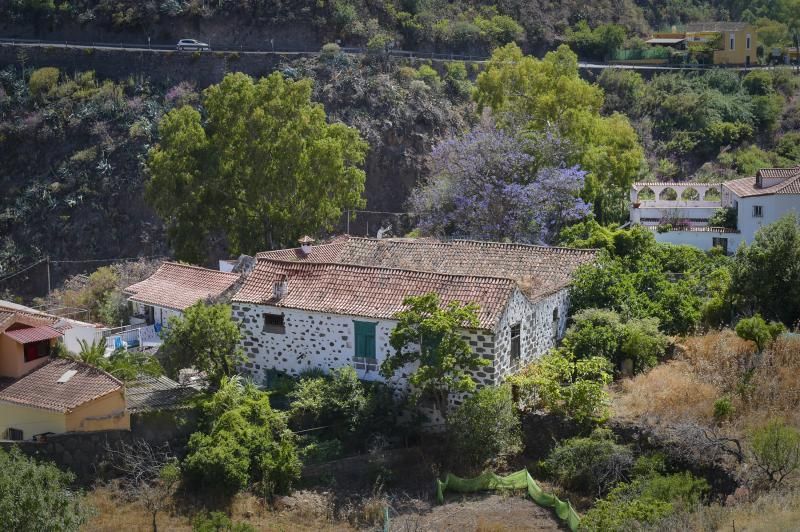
[48,275]
[348,221]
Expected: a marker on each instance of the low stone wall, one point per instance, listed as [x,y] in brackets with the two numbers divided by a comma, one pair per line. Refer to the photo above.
[86,453]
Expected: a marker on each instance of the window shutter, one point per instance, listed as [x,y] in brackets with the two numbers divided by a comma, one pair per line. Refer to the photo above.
[365,339]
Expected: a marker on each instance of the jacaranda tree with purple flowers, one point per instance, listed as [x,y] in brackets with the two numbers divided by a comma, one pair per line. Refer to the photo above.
[492,185]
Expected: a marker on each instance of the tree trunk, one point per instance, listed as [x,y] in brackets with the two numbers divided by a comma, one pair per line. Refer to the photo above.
[155,525]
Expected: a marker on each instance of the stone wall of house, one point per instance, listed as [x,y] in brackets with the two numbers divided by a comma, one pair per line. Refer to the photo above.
[542,323]
[312,340]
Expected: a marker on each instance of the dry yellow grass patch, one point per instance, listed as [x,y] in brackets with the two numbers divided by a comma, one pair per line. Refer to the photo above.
[115,515]
[667,392]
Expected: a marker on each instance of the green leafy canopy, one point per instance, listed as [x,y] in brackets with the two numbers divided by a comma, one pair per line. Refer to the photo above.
[261,164]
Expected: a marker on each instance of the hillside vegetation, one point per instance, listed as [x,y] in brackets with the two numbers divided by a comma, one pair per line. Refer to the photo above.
[473,25]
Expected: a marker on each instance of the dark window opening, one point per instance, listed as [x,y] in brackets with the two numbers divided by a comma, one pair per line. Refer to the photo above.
[36,350]
[555,322]
[274,323]
[14,434]
[720,243]
[758,211]
[516,331]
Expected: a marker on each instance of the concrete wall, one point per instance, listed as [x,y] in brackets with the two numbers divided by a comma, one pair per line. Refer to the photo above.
[12,358]
[773,208]
[29,420]
[86,453]
[104,413]
[699,239]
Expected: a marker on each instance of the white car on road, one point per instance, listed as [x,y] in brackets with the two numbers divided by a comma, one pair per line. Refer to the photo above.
[191,44]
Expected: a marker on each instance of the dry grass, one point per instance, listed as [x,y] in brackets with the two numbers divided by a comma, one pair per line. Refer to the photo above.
[773,511]
[302,512]
[670,391]
[709,367]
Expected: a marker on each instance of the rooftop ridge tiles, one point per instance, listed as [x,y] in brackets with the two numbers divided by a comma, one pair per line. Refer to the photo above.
[482,243]
[194,266]
[317,265]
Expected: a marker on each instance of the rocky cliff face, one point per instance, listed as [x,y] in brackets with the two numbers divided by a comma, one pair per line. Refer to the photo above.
[71,155]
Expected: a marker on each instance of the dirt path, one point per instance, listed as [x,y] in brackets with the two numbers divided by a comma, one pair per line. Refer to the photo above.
[479,512]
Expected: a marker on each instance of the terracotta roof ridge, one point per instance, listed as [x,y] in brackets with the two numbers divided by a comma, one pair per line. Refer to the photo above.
[319,265]
[483,243]
[785,183]
[194,266]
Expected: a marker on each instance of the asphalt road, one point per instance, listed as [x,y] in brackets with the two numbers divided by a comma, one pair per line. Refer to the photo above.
[161,48]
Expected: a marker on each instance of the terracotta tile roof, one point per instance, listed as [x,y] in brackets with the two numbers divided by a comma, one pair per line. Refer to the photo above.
[33,334]
[11,313]
[690,229]
[178,286]
[368,291]
[746,187]
[780,173]
[542,269]
[41,389]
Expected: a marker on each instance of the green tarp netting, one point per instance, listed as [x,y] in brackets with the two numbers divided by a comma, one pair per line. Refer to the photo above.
[519,480]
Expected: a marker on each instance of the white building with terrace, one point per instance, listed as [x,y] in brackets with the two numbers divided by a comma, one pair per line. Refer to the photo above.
[681,213]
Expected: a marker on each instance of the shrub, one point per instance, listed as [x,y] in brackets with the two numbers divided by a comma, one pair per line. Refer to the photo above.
[38,496]
[330,51]
[43,80]
[485,427]
[758,82]
[430,76]
[244,442]
[591,465]
[759,331]
[645,500]
[723,409]
[776,450]
[218,522]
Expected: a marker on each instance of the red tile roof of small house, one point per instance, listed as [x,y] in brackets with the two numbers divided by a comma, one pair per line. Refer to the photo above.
[33,334]
[368,291]
[179,286]
[544,269]
[41,387]
[747,186]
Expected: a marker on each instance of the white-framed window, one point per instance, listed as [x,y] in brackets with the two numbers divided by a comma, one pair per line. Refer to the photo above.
[747,41]
[758,211]
[732,39]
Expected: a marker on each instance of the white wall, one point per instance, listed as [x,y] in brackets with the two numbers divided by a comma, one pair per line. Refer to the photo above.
[773,207]
[87,333]
[699,239]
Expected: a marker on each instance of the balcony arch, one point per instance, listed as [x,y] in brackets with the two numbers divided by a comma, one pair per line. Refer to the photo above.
[712,194]
[690,194]
[668,194]
[645,194]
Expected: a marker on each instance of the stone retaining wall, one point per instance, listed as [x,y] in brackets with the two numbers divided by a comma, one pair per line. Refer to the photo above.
[86,453]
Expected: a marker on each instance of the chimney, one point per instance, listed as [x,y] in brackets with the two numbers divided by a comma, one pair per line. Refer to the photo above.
[305,244]
[280,288]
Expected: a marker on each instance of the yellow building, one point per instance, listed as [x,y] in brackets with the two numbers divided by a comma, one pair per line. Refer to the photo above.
[737,42]
[39,394]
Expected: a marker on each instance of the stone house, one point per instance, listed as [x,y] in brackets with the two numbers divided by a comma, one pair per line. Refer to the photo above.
[333,305]
[680,212]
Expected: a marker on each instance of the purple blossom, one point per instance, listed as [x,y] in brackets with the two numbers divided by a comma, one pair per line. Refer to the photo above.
[491,185]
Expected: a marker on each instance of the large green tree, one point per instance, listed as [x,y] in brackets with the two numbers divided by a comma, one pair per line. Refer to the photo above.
[431,336]
[766,274]
[549,94]
[261,164]
[206,338]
